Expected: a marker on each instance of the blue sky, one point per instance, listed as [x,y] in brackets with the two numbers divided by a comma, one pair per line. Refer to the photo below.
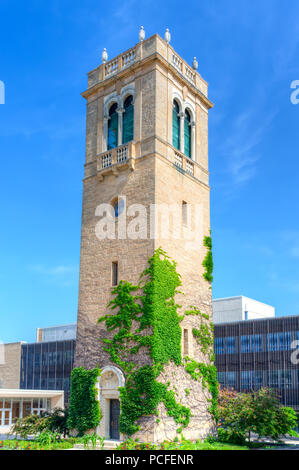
[248,51]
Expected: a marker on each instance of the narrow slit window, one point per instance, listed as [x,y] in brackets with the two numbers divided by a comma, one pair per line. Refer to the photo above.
[184,213]
[114,273]
[186,343]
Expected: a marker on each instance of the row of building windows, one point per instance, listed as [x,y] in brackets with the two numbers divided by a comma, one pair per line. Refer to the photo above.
[52,357]
[121,126]
[250,379]
[12,409]
[47,366]
[280,341]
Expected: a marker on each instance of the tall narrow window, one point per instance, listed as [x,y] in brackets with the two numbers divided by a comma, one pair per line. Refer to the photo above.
[187,134]
[128,120]
[113,127]
[114,273]
[184,213]
[186,342]
[176,125]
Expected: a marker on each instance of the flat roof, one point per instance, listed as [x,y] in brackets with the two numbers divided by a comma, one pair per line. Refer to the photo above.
[244,322]
[22,393]
[57,326]
[240,297]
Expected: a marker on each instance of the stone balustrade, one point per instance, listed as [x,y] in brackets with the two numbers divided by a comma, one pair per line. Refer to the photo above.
[153,45]
[183,163]
[115,159]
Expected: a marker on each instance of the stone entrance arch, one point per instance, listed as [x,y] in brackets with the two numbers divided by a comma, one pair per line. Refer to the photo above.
[108,383]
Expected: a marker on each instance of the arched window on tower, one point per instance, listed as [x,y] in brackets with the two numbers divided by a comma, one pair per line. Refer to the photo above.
[128,120]
[176,125]
[187,134]
[113,127]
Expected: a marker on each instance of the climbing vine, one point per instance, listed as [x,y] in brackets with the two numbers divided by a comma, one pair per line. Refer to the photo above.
[146,315]
[84,408]
[208,261]
[207,374]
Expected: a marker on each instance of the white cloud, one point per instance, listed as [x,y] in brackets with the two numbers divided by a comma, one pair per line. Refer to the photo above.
[241,148]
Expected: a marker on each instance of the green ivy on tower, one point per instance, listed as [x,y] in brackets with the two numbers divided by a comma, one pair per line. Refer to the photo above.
[150,319]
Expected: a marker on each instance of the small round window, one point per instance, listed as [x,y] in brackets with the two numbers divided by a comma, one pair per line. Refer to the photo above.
[118,206]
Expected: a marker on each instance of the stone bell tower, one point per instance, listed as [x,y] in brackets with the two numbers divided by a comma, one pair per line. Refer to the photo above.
[146,144]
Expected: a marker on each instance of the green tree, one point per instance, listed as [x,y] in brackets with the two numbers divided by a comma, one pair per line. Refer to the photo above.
[259,412]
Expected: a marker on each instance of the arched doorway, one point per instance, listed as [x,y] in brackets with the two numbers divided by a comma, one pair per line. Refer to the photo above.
[110,380]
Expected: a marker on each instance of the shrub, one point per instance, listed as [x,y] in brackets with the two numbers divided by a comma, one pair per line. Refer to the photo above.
[56,421]
[259,412]
[29,425]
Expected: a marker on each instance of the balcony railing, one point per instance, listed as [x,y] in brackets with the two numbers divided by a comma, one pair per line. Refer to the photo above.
[183,68]
[115,159]
[183,163]
[120,62]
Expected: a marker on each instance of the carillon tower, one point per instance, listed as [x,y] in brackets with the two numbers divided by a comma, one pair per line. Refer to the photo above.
[146,154]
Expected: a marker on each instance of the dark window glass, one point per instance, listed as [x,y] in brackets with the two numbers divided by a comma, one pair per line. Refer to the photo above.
[258,379]
[187,134]
[230,345]
[246,379]
[273,378]
[114,273]
[245,344]
[118,207]
[231,379]
[221,377]
[113,127]
[285,378]
[219,346]
[273,342]
[176,126]
[128,120]
[258,345]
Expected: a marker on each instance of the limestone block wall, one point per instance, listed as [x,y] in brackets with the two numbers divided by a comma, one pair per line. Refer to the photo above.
[10,369]
[154,181]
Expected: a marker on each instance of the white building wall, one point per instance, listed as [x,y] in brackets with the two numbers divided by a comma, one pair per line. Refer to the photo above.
[232,309]
[253,309]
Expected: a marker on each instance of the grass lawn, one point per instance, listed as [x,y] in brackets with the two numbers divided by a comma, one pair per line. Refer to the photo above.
[14,444]
[179,445]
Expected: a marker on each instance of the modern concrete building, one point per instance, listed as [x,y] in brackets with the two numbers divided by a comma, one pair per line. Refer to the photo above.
[47,365]
[240,308]
[35,377]
[260,353]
